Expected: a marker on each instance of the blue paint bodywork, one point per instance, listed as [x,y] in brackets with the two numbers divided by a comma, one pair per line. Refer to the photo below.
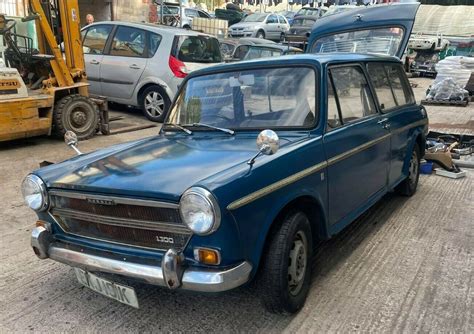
[164,166]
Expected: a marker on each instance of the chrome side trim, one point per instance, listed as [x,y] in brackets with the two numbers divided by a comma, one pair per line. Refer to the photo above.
[296,177]
[275,186]
[118,200]
[133,223]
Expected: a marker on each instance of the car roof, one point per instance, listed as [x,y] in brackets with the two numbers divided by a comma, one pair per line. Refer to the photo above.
[291,60]
[162,29]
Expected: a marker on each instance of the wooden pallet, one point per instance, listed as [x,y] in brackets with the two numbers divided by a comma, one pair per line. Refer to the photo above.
[445,103]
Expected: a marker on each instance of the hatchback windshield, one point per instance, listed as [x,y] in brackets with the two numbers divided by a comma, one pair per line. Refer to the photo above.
[250,99]
[255,18]
[303,22]
[198,49]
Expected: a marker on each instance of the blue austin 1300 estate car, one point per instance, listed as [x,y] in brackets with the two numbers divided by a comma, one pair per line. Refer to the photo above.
[257,161]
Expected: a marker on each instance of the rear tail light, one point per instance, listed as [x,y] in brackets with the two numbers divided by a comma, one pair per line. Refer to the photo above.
[177,67]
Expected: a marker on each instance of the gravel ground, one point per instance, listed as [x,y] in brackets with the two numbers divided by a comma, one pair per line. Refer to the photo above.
[405,266]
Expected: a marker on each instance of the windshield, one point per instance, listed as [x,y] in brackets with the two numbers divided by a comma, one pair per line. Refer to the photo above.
[303,22]
[262,52]
[255,18]
[308,11]
[383,40]
[199,49]
[250,99]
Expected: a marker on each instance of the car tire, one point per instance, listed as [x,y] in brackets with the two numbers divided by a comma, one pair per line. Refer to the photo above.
[186,27]
[155,103]
[76,113]
[285,275]
[260,34]
[408,186]
[282,37]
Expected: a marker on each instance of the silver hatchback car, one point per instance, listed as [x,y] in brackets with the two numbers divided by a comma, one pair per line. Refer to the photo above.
[261,25]
[142,65]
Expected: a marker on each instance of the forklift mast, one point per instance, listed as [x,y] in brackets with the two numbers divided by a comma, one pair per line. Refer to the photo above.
[65,15]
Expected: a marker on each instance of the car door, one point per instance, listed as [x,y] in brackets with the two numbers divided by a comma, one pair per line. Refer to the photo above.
[272,30]
[93,45]
[356,145]
[397,104]
[283,26]
[124,63]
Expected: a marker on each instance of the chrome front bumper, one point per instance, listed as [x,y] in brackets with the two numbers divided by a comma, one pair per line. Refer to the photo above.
[170,274]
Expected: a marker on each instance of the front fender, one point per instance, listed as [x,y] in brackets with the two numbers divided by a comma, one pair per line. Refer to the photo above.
[416,132]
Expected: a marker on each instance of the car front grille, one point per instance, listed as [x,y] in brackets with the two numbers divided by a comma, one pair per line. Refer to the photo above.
[132,222]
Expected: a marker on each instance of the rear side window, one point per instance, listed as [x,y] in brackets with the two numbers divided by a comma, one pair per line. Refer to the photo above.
[153,44]
[128,42]
[255,53]
[197,49]
[272,19]
[96,38]
[352,93]
[241,51]
[390,85]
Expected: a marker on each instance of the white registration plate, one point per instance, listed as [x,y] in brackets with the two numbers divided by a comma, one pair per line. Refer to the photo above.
[122,293]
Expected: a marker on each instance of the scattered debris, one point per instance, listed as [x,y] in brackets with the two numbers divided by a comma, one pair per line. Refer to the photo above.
[453,175]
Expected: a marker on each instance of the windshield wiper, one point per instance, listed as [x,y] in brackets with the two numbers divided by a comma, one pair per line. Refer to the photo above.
[229,131]
[189,132]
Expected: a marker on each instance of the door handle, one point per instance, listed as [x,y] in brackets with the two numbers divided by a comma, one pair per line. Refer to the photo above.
[383,120]
[386,126]
[94,62]
[135,66]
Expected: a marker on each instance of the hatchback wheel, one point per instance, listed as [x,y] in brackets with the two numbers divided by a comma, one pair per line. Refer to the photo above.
[155,103]
[260,34]
[286,265]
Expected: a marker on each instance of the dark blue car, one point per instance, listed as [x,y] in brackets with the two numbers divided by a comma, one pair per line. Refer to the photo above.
[257,162]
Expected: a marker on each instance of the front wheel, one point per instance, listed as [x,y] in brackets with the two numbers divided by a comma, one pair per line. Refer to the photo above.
[155,103]
[409,185]
[260,34]
[286,266]
[76,113]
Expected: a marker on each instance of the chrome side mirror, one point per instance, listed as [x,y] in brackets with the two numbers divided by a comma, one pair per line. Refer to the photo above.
[70,138]
[268,143]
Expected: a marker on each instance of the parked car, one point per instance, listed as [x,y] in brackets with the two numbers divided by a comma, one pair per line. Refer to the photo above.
[288,14]
[236,49]
[142,65]
[300,29]
[172,15]
[258,161]
[425,42]
[311,11]
[265,51]
[261,25]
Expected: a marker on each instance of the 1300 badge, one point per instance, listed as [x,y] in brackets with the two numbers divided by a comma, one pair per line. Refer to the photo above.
[167,240]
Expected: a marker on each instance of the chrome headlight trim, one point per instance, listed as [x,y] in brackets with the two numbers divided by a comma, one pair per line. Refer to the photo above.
[213,205]
[42,192]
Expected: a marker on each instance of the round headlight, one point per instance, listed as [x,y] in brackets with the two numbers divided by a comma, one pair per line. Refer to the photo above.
[34,193]
[199,210]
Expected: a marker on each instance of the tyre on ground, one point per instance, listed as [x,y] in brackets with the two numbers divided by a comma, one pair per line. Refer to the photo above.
[155,103]
[75,113]
[285,275]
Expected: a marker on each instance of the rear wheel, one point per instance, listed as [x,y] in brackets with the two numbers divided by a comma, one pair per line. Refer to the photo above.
[155,103]
[76,113]
[409,185]
[286,266]
[282,37]
[260,34]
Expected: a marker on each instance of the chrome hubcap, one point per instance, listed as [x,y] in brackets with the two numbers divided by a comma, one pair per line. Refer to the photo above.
[413,169]
[154,104]
[297,263]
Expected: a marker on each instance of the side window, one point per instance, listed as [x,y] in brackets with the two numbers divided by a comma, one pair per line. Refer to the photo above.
[381,83]
[153,43]
[352,92]
[333,114]
[203,14]
[397,81]
[241,51]
[190,12]
[281,19]
[272,19]
[128,42]
[96,38]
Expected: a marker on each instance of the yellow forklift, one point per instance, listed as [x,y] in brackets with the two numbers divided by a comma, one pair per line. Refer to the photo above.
[44,90]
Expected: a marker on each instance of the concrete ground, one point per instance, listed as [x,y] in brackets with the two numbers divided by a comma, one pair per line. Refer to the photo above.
[405,266]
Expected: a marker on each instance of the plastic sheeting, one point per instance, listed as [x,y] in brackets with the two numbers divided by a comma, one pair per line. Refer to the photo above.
[447,20]
[447,90]
[457,68]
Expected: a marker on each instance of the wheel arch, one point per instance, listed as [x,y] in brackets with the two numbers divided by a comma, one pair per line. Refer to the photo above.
[416,138]
[151,83]
[307,203]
